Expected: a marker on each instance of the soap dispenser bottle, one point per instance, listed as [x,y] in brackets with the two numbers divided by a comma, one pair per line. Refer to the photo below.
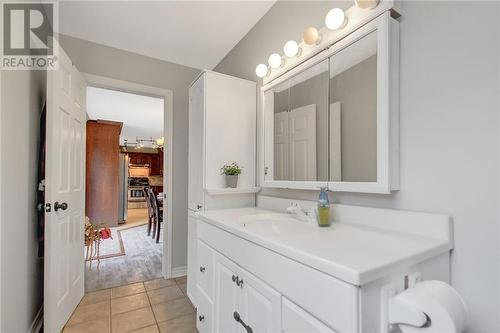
[323,208]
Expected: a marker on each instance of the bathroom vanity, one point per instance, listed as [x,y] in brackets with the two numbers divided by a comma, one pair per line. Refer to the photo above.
[262,270]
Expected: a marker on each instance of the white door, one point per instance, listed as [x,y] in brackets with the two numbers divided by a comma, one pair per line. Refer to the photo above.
[65,192]
[196,133]
[302,133]
[261,305]
[226,296]
[281,143]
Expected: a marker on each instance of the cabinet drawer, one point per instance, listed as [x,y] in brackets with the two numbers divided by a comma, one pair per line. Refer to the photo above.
[204,312]
[297,320]
[205,269]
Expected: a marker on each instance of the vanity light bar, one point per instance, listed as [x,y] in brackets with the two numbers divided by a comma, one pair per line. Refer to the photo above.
[335,20]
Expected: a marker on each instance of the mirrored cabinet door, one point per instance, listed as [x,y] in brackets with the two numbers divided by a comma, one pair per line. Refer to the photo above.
[334,120]
[299,131]
[353,112]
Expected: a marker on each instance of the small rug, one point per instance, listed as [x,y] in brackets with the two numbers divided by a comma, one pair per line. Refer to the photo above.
[111,248]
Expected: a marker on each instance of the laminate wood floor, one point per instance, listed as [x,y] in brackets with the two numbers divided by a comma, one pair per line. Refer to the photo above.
[142,262]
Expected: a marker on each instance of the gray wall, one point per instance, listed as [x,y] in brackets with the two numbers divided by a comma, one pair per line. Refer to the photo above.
[21,282]
[118,64]
[449,126]
[356,90]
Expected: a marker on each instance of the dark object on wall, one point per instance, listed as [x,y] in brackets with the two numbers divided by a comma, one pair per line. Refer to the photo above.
[102,171]
[41,183]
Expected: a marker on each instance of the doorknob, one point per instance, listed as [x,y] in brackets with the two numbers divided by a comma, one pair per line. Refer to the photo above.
[62,206]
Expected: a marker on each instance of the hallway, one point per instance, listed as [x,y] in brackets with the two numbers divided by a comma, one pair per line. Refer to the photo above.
[142,261]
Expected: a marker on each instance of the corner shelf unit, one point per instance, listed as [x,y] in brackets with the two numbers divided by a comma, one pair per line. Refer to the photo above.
[228,190]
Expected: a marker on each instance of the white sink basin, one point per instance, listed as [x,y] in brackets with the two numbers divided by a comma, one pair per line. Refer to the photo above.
[273,223]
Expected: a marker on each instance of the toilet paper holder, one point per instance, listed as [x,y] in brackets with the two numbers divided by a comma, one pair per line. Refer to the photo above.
[430,306]
[403,312]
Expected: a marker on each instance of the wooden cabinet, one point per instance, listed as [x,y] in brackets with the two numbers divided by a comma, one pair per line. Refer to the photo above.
[154,160]
[102,171]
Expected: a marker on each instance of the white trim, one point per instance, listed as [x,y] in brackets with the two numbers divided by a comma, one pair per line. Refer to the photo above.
[1,189]
[237,190]
[125,86]
[37,322]
[387,110]
[179,271]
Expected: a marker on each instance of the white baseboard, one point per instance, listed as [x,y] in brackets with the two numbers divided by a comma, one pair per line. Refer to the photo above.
[179,271]
[37,323]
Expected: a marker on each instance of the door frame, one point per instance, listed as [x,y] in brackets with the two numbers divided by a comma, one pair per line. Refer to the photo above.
[98,81]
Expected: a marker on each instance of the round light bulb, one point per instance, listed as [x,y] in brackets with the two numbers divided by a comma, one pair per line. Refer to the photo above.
[261,70]
[335,19]
[310,35]
[275,60]
[366,4]
[291,48]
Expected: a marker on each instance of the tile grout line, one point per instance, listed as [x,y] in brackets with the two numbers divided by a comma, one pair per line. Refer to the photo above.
[151,306]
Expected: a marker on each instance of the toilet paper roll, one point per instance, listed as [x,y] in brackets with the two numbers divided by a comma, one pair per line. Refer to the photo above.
[440,302]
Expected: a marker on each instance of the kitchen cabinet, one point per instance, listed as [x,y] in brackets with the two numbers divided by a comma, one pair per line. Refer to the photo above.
[153,160]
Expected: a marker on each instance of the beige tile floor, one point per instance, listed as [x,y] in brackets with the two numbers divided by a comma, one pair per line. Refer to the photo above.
[148,307]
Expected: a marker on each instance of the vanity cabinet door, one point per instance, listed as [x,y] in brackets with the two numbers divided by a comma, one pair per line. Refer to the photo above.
[297,320]
[205,268]
[260,305]
[204,312]
[226,295]
[192,257]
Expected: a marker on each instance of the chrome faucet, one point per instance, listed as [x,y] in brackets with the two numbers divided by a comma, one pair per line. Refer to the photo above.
[300,214]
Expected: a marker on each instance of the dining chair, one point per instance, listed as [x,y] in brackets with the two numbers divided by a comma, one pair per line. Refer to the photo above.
[157,215]
[150,209]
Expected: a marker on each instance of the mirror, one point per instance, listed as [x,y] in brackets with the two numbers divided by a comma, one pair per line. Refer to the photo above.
[300,145]
[353,112]
[329,122]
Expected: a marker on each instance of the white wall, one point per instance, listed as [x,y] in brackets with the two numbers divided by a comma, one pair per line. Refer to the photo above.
[21,284]
[118,64]
[449,127]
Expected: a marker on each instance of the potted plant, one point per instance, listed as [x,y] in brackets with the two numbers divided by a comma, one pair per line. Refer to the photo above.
[231,171]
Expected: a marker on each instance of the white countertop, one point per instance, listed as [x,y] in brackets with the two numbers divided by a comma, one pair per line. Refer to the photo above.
[353,253]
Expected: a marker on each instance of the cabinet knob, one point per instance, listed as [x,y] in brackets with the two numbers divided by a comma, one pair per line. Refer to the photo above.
[199,206]
[201,318]
[202,269]
[234,278]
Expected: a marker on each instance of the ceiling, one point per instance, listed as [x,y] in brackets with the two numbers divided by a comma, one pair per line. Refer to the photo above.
[142,116]
[192,33]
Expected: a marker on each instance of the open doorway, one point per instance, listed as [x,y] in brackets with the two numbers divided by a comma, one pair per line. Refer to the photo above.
[128,154]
